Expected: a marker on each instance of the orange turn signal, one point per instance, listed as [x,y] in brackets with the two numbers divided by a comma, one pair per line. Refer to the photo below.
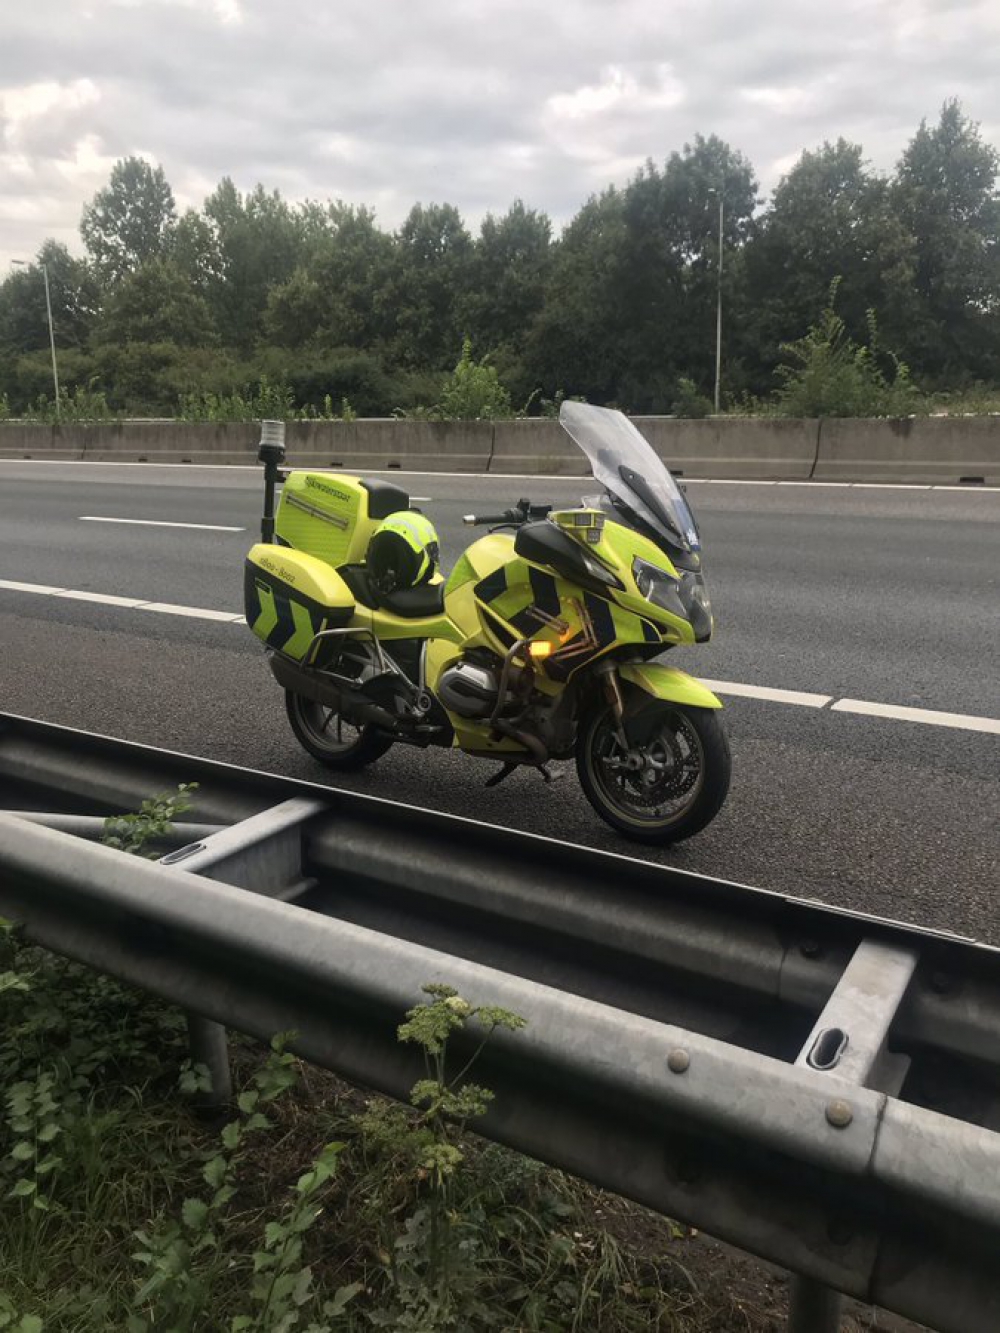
[540,648]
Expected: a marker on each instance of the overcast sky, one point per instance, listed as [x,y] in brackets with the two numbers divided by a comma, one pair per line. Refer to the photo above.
[472,102]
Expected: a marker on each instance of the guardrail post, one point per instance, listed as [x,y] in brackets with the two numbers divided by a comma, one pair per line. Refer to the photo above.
[210,1048]
[848,1043]
[813,1308]
[262,853]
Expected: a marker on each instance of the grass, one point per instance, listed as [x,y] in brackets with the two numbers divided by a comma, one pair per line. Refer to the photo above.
[307,1205]
[314,1207]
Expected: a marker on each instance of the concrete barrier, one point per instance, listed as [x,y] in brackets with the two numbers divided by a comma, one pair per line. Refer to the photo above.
[19,439]
[919,450]
[417,446]
[536,446]
[775,449]
[420,446]
[133,442]
[766,448]
[922,450]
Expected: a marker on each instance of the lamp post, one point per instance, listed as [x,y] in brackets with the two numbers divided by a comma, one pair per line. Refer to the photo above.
[718,304]
[19,263]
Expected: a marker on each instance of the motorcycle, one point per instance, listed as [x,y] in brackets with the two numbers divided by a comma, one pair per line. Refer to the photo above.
[539,645]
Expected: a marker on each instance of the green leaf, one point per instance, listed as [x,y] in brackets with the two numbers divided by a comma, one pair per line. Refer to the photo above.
[240,1322]
[22,1152]
[194,1213]
[30,1323]
[342,1298]
[215,1171]
[23,1189]
[231,1135]
[303,1284]
[48,1132]
[247,1101]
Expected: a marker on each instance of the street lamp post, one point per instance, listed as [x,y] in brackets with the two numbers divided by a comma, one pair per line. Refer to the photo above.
[718,312]
[19,263]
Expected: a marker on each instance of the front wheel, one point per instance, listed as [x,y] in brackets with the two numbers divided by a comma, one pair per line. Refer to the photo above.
[665,788]
[330,739]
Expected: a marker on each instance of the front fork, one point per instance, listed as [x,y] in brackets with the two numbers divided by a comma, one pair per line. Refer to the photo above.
[613,693]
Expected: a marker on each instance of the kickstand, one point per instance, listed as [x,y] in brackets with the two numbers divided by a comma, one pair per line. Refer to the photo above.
[504,772]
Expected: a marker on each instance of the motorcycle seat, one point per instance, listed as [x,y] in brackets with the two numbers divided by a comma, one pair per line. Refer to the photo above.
[413,603]
[427,599]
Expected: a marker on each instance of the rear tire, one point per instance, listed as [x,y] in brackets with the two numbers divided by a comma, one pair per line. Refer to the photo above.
[681,785]
[327,737]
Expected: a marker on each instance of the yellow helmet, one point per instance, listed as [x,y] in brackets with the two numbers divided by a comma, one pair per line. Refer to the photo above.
[403,552]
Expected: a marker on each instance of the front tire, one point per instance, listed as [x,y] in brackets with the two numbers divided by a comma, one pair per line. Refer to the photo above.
[666,789]
[324,734]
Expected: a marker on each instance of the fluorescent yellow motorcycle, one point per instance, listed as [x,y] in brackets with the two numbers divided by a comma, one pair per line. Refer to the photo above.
[538,645]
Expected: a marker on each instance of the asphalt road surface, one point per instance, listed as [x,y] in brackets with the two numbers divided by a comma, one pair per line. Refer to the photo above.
[842,607]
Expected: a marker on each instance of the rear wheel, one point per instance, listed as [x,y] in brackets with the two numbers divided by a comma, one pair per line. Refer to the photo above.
[664,789]
[329,738]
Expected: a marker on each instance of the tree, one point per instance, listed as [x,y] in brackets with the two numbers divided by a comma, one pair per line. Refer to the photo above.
[575,344]
[256,246]
[511,262]
[671,277]
[156,304]
[830,217]
[75,299]
[130,220]
[337,297]
[630,309]
[946,194]
[432,270]
[194,251]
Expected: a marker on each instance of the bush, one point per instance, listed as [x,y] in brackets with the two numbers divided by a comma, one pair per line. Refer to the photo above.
[690,401]
[827,374]
[26,379]
[472,392]
[78,405]
[344,372]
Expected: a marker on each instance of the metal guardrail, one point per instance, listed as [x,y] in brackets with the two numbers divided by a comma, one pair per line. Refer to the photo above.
[819,1087]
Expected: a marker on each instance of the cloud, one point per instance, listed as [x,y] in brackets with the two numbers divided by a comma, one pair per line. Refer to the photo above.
[475,103]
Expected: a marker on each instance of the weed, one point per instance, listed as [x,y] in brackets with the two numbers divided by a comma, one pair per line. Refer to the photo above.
[133,832]
[122,1210]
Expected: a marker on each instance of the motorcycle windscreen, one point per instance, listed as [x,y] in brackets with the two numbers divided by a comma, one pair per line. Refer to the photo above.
[626,465]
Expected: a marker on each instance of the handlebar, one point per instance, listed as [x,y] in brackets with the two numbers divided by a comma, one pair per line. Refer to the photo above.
[523,512]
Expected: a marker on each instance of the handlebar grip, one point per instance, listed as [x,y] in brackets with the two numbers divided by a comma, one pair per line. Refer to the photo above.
[511,516]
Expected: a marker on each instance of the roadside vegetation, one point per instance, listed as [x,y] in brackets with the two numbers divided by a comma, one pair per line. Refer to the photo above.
[306,1204]
[313,309]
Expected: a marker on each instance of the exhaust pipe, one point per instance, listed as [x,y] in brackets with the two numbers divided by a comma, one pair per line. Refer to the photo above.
[350,704]
[539,753]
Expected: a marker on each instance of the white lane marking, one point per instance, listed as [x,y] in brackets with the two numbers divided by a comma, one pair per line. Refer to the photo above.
[194,612]
[42,588]
[159,523]
[735,688]
[899,713]
[130,603]
[105,598]
[496,476]
[421,499]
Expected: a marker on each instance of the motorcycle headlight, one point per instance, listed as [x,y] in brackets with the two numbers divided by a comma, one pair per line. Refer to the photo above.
[685,597]
[697,605]
[658,587]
